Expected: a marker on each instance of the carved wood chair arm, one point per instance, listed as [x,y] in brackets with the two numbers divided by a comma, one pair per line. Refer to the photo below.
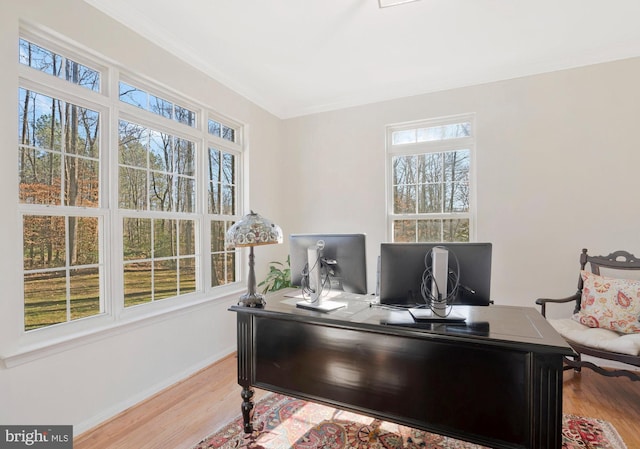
[542,302]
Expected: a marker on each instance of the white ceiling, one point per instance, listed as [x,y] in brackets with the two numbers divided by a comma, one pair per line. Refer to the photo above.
[295,57]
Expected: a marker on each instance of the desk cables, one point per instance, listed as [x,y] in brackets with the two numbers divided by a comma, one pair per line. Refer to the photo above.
[325,272]
[434,298]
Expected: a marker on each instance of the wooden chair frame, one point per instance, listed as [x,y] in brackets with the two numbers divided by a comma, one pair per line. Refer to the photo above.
[619,260]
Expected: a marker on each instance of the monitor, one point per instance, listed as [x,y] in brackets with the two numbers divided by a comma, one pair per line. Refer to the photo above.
[402,266]
[344,256]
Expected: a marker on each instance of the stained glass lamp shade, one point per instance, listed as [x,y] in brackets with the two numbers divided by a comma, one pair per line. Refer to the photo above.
[252,230]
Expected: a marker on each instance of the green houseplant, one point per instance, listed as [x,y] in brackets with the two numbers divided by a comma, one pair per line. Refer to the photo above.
[279,277]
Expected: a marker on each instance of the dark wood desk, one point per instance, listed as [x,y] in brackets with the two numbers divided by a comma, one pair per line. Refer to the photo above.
[496,381]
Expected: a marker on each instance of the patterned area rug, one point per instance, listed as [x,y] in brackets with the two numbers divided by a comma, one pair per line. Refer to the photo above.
[281,422]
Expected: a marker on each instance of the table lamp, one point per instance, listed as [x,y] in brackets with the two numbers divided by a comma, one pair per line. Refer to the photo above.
[252,230]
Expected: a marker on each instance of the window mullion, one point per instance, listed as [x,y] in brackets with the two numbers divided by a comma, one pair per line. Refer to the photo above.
[114,302]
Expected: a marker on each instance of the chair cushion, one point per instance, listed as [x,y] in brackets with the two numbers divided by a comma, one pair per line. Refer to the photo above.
[610,303]
[604,339]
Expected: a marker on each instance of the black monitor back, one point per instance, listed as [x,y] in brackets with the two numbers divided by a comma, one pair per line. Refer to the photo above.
[403,264]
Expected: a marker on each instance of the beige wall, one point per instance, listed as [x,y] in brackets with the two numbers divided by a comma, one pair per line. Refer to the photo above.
[557,161]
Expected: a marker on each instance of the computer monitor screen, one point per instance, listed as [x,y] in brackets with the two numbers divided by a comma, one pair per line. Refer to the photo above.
[345,255]
[402,266]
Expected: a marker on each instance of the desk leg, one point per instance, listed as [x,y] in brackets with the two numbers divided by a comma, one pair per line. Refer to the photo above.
[247,409]
[245,367]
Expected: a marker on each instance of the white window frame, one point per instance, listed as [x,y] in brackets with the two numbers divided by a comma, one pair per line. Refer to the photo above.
[35,343]
[436,146]
[236,149]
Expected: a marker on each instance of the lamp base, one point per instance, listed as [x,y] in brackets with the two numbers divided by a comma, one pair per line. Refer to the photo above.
[252,300]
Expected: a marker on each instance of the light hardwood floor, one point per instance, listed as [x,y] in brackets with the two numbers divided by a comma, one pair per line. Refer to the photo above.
[182,415]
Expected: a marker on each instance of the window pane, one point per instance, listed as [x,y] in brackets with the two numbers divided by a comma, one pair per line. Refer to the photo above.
[160,151]
[160,106]
[405,170]
[81,182]
[404,230]
[43,241]
[137,283]
[231,267]
[187,275]
[187,238]
[456,197]
[82,75]
[455,230]
[160,195]
[456,165]
[133,141]
[228,134]
[165,279]
[185,194]
[45,299]
[215,165]
[214,198]
[85,292]
[430,230]
[218,269]
[48,62]
[84,132]
[39,58]
[228,168]
[133,189]
[39,176]
[402,137]
[429,198]
[429,167]
[165,238]
[215,128]
[444,132]
[185,157]
[84,240]
[185,116]
[222,174]
[404,199]
[138,97]
[228,200]
[40,120]
[133,96]
[136,238]
[218,230]
[223,261]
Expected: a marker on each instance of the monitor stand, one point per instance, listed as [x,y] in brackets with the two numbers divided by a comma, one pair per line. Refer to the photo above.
[425,314]
[314,262]
[320,305]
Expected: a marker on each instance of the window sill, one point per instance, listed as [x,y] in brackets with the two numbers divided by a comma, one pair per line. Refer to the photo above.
[26,353]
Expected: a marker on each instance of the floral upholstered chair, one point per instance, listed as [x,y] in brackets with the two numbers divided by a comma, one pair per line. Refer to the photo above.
[606,317]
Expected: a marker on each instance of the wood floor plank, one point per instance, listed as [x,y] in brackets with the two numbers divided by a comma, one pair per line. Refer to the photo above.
[616,400]
[183,414]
